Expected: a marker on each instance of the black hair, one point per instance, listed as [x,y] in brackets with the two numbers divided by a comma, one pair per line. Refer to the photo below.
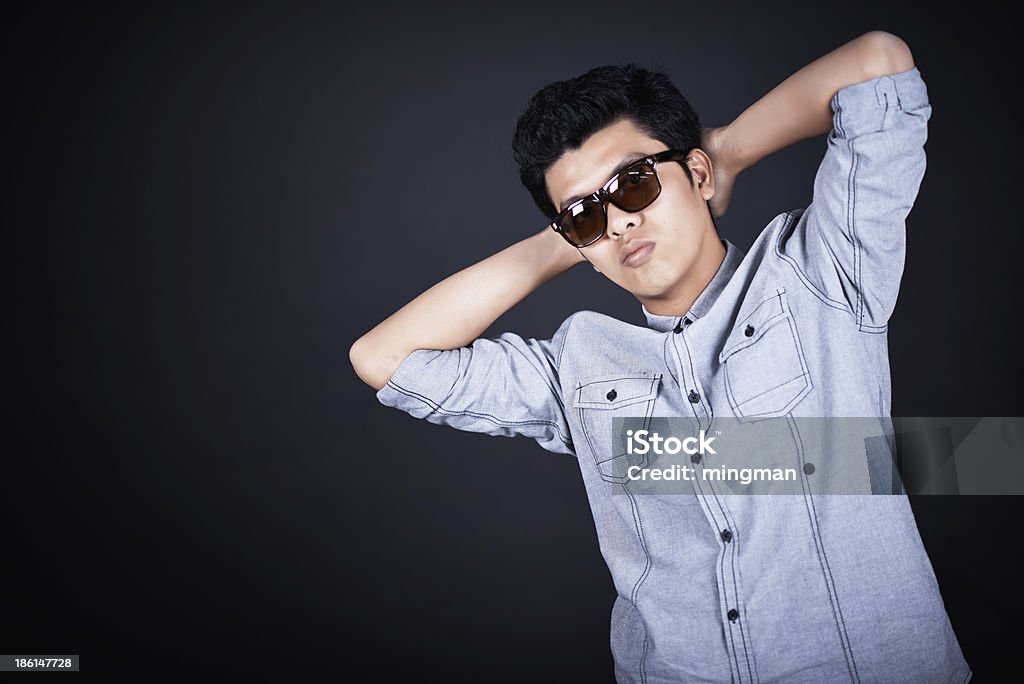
[562,115]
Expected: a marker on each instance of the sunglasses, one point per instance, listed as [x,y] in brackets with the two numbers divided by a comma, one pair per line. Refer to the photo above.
[632,189]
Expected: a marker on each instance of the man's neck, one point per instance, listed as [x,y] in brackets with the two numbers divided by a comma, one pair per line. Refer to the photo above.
[704,270]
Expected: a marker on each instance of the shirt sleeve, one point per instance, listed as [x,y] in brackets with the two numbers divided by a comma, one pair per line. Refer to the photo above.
[505,386]
[849,244]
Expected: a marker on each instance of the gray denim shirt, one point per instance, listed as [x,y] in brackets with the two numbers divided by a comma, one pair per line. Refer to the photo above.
[711,588]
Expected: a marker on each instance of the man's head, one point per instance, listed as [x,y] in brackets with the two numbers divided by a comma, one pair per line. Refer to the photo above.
[574,137]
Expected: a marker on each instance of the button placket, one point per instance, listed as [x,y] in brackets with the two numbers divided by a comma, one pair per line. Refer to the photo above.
[729,594]
[689,384]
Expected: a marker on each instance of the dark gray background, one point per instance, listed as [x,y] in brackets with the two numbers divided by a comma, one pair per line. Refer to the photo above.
[206,206]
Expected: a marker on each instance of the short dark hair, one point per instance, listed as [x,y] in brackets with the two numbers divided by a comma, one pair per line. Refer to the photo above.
[562,115]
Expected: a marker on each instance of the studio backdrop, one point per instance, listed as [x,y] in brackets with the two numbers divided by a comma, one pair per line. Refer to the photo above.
[208,204]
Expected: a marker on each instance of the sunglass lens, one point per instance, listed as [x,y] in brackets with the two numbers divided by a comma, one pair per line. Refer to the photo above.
[584,223]
[638,186]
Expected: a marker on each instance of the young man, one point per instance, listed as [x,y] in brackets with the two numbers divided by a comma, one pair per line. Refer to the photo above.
[806,587]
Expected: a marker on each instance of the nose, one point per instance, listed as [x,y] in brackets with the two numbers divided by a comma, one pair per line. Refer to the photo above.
[620,221]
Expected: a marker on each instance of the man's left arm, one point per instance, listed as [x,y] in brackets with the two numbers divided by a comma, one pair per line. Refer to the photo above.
[869,96]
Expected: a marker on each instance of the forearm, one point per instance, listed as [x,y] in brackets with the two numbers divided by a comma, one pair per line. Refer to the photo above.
[457,310]
[800,107]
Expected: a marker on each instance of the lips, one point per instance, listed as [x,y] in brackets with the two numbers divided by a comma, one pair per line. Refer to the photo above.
[636,253]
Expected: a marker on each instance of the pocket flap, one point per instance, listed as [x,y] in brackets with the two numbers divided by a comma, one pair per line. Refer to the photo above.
[615,392]
[753,326]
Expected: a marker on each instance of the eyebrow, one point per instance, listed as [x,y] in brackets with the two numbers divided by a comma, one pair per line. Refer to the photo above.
[626,161]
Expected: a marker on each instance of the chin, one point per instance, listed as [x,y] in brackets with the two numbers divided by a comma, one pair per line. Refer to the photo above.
[648,291]
[655,286]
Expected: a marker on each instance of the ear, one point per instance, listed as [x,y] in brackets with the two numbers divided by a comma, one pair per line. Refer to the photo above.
[703,172]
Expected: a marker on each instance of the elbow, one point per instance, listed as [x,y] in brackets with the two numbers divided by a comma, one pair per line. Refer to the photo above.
[887,53]
[362,360]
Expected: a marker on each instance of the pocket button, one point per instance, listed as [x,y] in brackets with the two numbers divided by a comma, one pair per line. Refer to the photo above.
[611,395]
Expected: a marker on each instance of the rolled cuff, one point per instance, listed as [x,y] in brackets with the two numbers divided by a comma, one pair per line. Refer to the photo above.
[871,106]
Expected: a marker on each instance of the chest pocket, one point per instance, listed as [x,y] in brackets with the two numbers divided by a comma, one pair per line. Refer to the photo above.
[599,402]
[765,368]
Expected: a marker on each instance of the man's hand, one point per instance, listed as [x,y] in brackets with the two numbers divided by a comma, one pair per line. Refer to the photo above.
[713,142]
[568,255]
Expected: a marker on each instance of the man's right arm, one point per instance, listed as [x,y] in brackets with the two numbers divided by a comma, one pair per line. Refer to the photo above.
[457,310]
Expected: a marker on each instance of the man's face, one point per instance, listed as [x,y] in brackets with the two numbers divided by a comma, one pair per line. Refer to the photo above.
[676,226]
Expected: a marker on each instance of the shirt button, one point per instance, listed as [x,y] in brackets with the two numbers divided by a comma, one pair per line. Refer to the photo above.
[678,328]
[749,331]
[693,396]
[695,458]
[733,614]
[686,321]
[726,536]
[611,395]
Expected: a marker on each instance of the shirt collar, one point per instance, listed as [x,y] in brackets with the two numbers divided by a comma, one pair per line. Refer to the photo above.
[707,297]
